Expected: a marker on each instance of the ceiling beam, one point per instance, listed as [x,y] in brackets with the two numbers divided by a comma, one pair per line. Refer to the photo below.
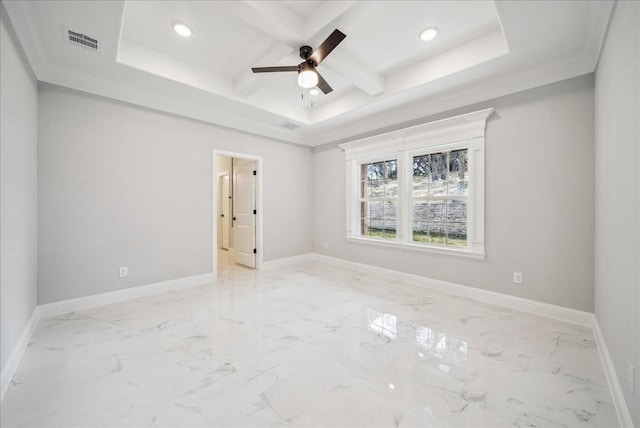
[356,72]
[326,14]
[273,18]
[246,83]
[277,21]
[483,49]
[284,25]
[342,15]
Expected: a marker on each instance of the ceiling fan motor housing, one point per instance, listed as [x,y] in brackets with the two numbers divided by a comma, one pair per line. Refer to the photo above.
[305,52]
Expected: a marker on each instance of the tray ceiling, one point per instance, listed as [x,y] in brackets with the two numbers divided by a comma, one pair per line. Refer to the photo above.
[382,73]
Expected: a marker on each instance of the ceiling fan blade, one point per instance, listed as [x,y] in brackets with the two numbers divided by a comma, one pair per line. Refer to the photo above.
[327,46]
[274,69]
[323,85]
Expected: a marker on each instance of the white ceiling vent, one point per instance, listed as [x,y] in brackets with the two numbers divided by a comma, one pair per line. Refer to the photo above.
[290,125]
[80,39]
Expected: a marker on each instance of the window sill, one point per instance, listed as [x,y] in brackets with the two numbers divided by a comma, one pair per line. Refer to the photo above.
[419,248]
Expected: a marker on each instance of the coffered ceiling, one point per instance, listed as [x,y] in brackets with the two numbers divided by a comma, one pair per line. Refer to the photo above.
[382,74]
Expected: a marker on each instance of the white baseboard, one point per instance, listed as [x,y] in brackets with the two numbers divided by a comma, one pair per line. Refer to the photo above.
[16,355]
[287,261]
[624,417]
[87,302]
[518,303]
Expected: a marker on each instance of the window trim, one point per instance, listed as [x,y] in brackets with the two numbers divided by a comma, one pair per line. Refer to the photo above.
[463,131]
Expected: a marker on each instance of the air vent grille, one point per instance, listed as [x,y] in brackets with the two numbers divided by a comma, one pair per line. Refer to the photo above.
[82,40]
[290,125]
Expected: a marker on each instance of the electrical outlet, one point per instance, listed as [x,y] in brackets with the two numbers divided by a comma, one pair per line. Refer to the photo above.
[632,378]
[326,245]
[124,271]
[517,277]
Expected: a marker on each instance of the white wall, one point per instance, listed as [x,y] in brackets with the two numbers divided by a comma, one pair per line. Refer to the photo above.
[121,185]
[18,191]
[617,195]
[539,201]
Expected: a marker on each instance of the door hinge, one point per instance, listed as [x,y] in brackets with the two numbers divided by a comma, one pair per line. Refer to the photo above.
[255,251]
[254,212]
[255,172]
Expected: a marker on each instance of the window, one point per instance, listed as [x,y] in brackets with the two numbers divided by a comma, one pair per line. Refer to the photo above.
[420,188]
[379,199]
[439,190]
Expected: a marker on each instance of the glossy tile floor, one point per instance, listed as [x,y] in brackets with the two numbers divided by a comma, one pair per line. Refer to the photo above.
[308,345]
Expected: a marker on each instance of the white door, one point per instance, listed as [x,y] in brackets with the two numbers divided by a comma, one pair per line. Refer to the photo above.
[244,214]
[225,213]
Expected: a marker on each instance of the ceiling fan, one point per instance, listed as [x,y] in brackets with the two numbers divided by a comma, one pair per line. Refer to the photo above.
[308,76]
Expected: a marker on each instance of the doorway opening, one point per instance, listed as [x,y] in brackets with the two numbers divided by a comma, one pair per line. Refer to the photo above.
[237,210]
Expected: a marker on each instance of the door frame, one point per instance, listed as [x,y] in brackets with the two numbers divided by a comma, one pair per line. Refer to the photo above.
[221,175]
[259,206]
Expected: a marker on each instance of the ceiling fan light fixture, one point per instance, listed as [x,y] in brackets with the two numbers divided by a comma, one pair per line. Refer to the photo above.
[429,34]
[182,29]
[307,76]
[313,92]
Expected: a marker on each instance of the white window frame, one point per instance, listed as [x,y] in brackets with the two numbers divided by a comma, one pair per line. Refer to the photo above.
[464,131]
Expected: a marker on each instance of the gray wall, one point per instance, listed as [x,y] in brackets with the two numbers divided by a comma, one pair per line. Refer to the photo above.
[121,185]
[18,191]
[539,201]
[617,196]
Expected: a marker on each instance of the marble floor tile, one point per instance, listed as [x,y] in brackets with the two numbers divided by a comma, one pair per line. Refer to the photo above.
[307,345]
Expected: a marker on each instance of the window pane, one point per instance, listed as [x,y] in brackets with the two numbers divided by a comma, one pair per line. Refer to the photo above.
[379,179]
[376,216]
[438,175]
[458,182]
[420,225]
[440,222]
[421,175]
[389,224]
[391,169]
[436,229]
[376,188]
[378,219]
[457,223]
[364,218]
[430,175]
[375,170]
[365,190]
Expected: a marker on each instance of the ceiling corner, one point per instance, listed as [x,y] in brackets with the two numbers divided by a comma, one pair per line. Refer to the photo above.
[23,26]
[600,16]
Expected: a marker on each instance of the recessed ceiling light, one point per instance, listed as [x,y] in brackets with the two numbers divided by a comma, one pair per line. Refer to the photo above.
[182,29]
[429,34]
[314,92]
